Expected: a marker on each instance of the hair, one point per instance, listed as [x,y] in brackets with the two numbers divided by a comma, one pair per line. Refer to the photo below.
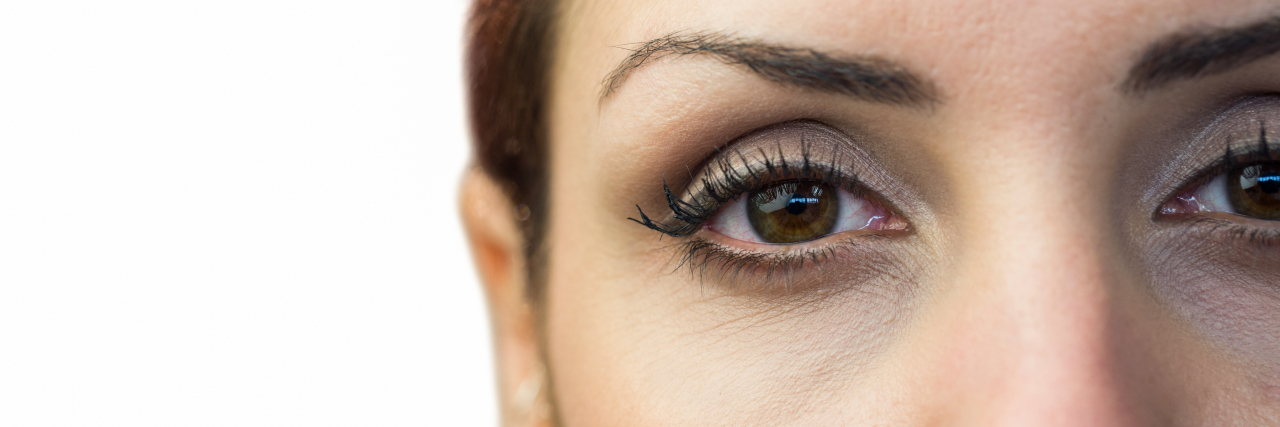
[509,52]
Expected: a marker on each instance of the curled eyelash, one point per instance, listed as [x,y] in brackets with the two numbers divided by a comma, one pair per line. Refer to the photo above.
[725,182]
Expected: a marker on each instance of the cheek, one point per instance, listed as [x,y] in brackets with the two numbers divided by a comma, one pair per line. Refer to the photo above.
[1227,294]
[1232,311]
[689,360]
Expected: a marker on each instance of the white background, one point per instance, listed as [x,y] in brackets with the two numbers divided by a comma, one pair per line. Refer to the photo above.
[236,213]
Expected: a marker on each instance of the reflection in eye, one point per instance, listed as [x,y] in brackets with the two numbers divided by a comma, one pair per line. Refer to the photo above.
[1255,190]
[785,184]
[1251,190]
[798,211]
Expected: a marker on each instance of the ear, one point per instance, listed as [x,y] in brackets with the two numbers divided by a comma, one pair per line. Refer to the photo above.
[490,220]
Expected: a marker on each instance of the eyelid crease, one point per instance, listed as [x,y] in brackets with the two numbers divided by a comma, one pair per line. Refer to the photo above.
[750,163]
[1230,159]
[1236,151]
[1236,123]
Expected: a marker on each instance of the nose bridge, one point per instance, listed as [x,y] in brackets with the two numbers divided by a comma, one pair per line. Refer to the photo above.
[1055,291]
[1040,285]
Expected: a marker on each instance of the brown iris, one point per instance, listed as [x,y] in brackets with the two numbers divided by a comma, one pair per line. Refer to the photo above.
[1255,190]
[793,211]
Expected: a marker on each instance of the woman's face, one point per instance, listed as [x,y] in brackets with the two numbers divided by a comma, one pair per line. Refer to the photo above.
[915,212]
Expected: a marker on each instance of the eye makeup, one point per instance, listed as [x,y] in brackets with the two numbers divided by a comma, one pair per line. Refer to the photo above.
[1211,263]
[774,202]
[798,211]
[1242,183]
[1235,195]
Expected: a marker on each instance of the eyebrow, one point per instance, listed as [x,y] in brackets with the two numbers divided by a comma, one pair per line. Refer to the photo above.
[1203,53]
[866,78]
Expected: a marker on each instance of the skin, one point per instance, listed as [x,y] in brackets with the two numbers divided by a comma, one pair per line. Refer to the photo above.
[1034,288]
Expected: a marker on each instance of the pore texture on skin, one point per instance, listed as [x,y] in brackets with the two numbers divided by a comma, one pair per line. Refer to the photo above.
[1027,151]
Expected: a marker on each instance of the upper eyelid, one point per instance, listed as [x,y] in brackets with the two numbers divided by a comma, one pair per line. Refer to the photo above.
[761,168]
[799,149]
[804,142]
[1235,153]
[1196,153]
[703,200]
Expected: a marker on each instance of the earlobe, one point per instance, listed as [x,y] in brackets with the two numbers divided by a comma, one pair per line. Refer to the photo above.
[489,218]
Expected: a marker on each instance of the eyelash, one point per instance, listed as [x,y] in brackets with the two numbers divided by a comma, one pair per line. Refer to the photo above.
[729,265]
[724,183]
[1232,231]
[1258,152]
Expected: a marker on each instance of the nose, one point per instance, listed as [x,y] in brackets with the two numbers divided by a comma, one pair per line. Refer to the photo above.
[1034,335]
[1047,355]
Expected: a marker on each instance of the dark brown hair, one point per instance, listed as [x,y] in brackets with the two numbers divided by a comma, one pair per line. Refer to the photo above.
[509,49]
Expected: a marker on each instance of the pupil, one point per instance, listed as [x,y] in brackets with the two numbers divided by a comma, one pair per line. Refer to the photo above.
[1258,193]
[793,211]
[1269,183]
[797,204]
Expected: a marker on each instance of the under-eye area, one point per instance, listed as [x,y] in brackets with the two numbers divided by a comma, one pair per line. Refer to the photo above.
[772,207]
[884,213]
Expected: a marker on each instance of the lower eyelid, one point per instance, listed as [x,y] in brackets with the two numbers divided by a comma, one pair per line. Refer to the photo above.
[1241,233]
[760,247]
[754,269]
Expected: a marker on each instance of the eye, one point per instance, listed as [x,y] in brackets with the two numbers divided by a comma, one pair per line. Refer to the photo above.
[1251,190]
[798,211]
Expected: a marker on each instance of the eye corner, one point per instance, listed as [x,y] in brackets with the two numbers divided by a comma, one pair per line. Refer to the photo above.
[1179,205]
[1244,188]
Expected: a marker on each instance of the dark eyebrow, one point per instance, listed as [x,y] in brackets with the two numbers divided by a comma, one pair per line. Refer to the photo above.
[1203,53]
[867,78]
